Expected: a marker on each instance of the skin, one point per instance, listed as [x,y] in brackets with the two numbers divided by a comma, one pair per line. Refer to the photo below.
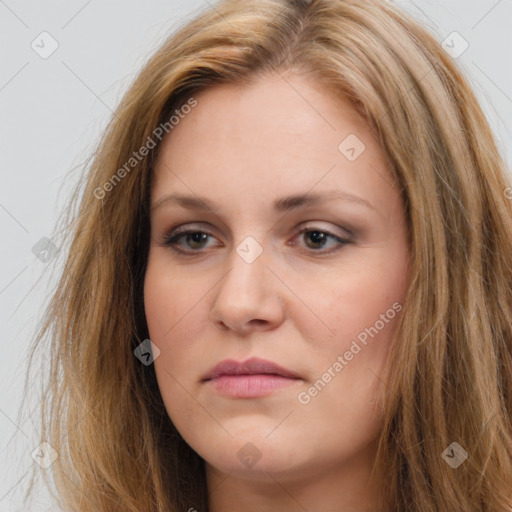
[297,304]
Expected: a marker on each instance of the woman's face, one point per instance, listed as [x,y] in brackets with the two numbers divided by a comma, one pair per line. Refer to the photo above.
[322,304]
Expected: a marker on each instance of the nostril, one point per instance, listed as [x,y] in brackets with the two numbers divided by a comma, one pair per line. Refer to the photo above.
[257,321]
[218,324]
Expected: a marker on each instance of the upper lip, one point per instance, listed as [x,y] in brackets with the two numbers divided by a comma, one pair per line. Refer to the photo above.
[253,366]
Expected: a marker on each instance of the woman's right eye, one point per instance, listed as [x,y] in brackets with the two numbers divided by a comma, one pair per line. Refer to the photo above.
[193,238]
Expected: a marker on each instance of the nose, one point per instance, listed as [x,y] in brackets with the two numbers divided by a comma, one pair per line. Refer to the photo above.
[249,297]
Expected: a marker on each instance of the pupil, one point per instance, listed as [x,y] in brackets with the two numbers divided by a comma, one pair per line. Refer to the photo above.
[317,236]
[198,237]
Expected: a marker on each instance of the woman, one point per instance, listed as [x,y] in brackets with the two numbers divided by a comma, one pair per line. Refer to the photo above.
[288,283]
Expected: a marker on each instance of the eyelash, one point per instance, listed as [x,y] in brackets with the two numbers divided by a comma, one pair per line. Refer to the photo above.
[173,237]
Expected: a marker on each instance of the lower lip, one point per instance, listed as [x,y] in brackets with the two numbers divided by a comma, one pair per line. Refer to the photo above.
[250,386]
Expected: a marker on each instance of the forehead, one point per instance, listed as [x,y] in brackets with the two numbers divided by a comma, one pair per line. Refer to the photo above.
[282,133]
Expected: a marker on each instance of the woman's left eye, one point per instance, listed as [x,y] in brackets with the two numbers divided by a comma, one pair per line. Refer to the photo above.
[195,239]
[320,236]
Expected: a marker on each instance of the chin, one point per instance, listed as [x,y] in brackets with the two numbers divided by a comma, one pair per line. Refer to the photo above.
[261,469]
[254,456]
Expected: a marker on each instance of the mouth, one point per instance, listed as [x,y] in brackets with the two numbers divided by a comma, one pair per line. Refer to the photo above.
[249,379]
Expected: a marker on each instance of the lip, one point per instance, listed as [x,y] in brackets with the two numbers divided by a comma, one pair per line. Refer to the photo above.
[249,379]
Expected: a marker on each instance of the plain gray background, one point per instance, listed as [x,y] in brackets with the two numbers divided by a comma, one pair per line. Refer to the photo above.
[53,111]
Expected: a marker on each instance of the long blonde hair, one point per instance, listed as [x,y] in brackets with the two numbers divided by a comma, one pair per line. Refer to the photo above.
[450,370]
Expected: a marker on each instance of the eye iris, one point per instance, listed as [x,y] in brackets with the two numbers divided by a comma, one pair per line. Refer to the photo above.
[317,237]
[197,237]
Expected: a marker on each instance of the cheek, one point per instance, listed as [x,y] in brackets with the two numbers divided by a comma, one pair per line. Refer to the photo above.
[159,303]
[168,316]
[361,300]
[342,402]
[170,302]
[176,315]
[362,309]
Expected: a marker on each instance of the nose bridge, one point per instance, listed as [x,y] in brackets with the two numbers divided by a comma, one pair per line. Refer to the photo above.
[247,277]
[248,290]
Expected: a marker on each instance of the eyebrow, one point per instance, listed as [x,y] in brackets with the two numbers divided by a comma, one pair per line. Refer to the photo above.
[284,204]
